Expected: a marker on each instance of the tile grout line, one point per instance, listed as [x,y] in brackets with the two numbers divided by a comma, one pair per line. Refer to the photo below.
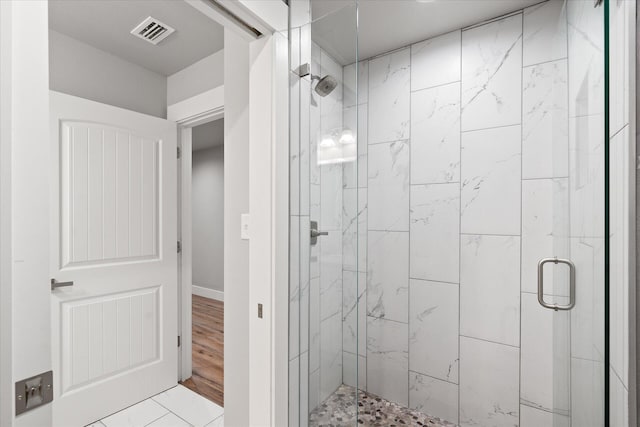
[393,141]
[490,234]
[434,281]
[131,406]
[215,419]
[168,413]
[388,320]
[431,376]
[489,341]
[156,419]
[448,83]
[490,128]
[537,64]
[418,184]
[171,412]
[539,408]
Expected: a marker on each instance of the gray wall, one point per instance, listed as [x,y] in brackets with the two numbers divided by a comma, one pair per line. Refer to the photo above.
[204,75]
[79,69]
[207,195]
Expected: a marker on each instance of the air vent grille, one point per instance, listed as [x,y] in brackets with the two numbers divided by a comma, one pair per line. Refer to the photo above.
[152,30]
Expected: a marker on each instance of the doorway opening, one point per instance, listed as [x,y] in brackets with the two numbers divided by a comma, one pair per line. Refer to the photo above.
[207,260]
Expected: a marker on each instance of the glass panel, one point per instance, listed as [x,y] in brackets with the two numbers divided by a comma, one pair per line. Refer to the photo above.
[562,351]
[326,296]
[444,167]
[586,209]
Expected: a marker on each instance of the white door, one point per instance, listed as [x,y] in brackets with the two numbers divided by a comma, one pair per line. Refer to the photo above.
[114,233]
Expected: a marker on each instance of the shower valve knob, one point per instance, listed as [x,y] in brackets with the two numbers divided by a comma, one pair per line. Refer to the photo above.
[314,232]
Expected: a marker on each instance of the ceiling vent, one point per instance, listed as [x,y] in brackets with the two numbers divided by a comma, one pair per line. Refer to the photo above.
[152,30]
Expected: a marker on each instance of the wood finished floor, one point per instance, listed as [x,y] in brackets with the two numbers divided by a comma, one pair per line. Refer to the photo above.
[208,349]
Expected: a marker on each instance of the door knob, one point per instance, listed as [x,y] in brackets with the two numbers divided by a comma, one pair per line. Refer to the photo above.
[55,284]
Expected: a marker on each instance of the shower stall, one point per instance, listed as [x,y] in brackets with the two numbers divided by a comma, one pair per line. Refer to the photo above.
[447,223]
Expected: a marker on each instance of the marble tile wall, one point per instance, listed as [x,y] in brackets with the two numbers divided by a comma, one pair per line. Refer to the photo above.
[473,148]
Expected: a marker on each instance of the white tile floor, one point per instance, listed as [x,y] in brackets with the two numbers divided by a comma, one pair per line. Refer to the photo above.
[176,407]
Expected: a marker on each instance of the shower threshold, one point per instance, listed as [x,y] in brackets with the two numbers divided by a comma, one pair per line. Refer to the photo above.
[339,410]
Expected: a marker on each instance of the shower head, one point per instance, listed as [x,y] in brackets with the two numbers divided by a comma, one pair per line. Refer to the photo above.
[325,85]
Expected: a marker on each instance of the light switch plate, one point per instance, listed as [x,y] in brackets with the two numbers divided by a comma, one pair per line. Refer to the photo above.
[244,226]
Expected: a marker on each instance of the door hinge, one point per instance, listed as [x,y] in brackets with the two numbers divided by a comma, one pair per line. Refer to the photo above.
[179,341]
[179,151]
[179,246]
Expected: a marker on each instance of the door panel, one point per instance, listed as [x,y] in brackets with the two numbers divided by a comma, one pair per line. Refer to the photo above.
[109,193]
[108,335]
[113,198]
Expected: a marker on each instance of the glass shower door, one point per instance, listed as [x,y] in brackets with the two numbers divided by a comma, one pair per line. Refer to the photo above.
[569,245]
[573,282]
[325,291]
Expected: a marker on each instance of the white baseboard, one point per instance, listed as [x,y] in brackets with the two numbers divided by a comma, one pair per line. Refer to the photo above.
[207,293]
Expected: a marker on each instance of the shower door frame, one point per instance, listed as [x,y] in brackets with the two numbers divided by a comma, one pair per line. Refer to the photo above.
[607,245]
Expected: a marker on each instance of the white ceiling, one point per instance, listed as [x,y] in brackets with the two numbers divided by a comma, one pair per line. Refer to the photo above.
[385,25]
[106,24]
[207,135]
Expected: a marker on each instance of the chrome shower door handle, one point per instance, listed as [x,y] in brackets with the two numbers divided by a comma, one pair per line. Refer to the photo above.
[572,283]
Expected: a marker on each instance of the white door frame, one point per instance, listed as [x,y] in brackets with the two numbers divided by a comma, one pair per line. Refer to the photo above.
[199,109]
[6,407]
[24,247]
[256,365]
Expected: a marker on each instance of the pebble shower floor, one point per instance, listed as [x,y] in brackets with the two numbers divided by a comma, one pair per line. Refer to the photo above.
[339,410]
